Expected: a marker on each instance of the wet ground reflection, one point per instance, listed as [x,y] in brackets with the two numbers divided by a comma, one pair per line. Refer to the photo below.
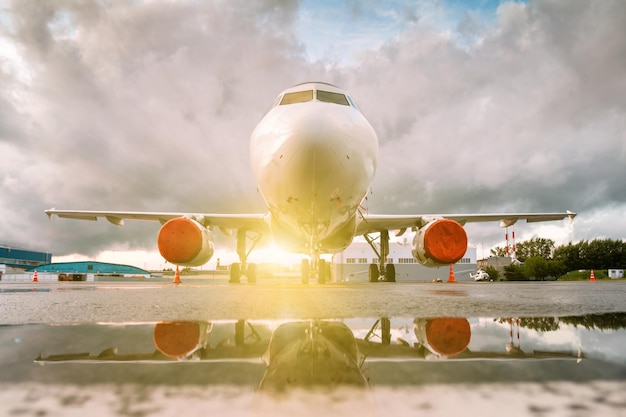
[334,352]
[356,358]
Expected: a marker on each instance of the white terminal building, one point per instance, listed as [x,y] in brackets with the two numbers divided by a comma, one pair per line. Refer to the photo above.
[353,263]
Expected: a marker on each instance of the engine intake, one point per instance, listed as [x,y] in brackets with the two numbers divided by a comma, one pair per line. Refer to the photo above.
[440,242]
[185,242]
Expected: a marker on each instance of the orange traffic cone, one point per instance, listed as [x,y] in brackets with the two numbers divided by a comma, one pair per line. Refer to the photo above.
[35,276]
[176,276]
[451,276]
[592,277]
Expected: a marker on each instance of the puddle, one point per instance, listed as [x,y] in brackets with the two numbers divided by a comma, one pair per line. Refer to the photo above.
[335,364]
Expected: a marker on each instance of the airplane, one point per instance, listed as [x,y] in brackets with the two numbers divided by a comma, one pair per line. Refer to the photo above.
[314,156]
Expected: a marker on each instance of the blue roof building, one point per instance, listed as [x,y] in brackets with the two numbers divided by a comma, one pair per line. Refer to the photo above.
[89,267]
[23,259]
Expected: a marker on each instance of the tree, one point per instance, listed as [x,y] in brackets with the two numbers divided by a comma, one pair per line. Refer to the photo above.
[598,254]
[498,251]
[540,268]
[569,257]
[605,253]
[536,246]
[494,274]
[595,254]
[515,272]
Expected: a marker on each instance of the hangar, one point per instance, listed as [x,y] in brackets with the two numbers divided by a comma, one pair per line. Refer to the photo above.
[353,263]
[90,271]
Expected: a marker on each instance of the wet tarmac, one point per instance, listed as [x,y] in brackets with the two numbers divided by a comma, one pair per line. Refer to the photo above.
[280,348]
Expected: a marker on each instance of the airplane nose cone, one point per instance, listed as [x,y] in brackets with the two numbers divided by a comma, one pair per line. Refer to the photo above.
[325,118]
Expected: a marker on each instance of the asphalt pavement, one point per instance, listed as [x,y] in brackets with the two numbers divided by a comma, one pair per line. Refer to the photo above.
[145,348]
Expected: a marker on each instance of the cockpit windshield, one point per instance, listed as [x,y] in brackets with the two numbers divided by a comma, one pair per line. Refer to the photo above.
[297,97]
[328,97]
[320,95]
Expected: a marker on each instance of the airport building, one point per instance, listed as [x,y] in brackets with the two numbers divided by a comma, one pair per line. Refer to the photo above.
[353,264]
[79,271]
[14,260]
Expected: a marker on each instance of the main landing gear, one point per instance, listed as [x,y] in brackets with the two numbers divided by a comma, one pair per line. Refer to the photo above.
[383,271]
[244,268]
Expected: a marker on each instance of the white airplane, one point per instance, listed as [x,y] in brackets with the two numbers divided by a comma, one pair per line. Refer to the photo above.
[314,157]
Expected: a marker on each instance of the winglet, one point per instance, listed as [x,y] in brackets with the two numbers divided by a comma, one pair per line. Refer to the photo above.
[48,213]
[571,216]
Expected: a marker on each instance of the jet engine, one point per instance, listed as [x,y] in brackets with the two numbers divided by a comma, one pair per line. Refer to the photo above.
[185,242]
[180,339]
[444,336]
[440,242]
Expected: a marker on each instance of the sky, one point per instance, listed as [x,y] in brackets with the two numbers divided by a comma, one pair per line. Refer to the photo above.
[479,106]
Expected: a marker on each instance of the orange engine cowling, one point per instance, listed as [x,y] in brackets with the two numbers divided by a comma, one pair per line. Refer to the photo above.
[444,336]
[185,242]
[179,339]
[440,242]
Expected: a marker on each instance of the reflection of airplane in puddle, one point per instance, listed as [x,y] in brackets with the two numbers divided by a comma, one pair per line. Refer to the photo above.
[310,352]
[296,354]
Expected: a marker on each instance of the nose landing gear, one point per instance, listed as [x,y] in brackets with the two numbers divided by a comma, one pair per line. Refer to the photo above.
[311,269]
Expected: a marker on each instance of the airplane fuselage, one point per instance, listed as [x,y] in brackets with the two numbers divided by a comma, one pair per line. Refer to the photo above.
[314,157]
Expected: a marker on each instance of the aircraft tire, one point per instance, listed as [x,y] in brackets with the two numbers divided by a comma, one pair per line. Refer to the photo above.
[321,272]
[235,273]
[373,273]
[390,273]
[304,271]
[252,273]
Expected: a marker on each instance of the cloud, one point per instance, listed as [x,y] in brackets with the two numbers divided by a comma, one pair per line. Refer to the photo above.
[149,106]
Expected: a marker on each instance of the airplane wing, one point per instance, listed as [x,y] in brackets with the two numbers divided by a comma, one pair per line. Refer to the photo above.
[370,223]
[252,222]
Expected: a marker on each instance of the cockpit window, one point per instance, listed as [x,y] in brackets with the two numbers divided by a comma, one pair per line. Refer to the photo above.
[297,97]
[328,97]
[353,103]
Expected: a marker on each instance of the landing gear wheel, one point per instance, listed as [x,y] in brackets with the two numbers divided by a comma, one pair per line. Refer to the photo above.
[321,271]
[385,331]
[251,273]
[390,273]
[235,273]
[304,271]
[373,273]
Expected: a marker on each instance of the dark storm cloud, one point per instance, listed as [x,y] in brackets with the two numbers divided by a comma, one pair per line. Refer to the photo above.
[531,118]
[136,106]
[149,106]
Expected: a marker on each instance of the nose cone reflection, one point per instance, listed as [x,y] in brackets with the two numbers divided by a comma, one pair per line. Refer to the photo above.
[314,353]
